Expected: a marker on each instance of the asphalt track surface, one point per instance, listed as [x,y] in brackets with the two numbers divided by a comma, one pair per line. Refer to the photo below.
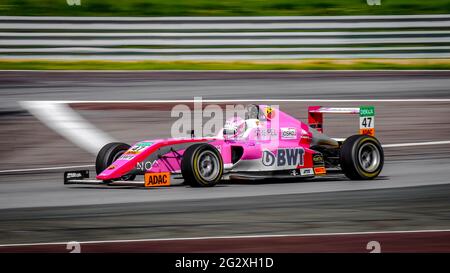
[411,194]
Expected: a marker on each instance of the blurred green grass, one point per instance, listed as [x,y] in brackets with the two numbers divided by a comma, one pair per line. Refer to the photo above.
[220,8]
[311,64]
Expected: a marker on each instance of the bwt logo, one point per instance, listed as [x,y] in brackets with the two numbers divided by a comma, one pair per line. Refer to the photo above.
[374,2]
[74,2]
[283,157]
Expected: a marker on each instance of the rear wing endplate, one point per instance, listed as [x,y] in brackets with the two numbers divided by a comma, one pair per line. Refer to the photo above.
[366,117]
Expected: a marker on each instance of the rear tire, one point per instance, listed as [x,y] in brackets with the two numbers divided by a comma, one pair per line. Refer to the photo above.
[110,153]
[202,165]
[361,157]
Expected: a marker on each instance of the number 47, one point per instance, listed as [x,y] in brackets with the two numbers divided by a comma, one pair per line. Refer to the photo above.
[366,122]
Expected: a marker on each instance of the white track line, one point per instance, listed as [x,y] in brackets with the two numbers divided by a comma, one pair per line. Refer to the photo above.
[416,144]
[220,41]
[212,50]
[211,26]
[211,34]
[237,237]
[90,166]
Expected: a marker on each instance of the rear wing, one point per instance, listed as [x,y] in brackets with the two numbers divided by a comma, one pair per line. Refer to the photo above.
[366,117]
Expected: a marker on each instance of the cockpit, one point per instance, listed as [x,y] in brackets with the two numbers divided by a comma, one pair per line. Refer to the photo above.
[238,128]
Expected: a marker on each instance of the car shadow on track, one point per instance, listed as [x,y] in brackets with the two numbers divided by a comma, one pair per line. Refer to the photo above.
[334,178]
[338,178]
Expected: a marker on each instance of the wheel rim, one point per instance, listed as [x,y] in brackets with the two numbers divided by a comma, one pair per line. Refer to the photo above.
[208,165]
[369,157]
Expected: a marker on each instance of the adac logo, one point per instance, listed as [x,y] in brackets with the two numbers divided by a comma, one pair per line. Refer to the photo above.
[283,157]
[269,112]
[157,179]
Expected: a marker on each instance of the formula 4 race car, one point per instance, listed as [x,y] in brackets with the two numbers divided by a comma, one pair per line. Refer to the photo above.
[267,143]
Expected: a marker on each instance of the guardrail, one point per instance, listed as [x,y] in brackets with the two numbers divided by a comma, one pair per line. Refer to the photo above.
[229,38]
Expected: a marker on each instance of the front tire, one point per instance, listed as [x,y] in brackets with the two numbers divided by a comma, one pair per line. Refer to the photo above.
[110,153]
[361,157]
[202,165]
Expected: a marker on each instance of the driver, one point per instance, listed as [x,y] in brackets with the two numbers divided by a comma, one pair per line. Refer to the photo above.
[234,128]
[238,128]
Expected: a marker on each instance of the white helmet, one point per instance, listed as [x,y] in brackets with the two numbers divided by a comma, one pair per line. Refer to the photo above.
[234,128]
[237,128]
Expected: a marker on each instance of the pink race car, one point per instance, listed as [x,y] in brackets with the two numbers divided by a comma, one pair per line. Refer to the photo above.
[267,143]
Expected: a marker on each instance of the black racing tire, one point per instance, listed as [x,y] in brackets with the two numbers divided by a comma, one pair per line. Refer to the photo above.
[202,165]
[361,157]
[110,153]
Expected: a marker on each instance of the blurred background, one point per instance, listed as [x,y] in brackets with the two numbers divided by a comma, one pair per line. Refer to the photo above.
[276,34]
[221,8]
[98,66]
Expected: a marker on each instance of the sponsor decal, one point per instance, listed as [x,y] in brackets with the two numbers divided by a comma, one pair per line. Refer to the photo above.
[126,157]
[269,112]
[320,170]
[307,171]
[112,167]
[367,111]
[146,165]
[367,120]
[317,159]
[367,125]
[136,149]
[367,131]
[266,132]
[75,175]
[288,133]
[157,179]
[145,143]
[283,157]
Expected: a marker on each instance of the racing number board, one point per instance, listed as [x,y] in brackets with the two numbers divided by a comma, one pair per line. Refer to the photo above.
[367,120]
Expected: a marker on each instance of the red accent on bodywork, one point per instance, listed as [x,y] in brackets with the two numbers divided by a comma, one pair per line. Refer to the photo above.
[307,159]
[315,120]
[305,139]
